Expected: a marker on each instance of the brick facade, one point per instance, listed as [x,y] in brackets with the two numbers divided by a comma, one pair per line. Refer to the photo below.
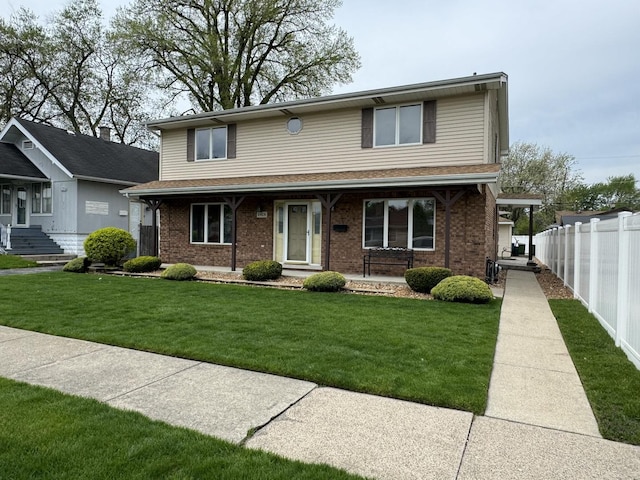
[473,233]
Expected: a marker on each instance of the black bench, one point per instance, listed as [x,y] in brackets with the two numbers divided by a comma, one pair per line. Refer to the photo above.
[386,256]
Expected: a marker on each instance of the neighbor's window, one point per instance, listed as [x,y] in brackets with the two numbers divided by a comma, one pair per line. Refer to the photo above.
[211,223]
[211,143]
[5,201]
[405,223]
[398,125]
[41,198]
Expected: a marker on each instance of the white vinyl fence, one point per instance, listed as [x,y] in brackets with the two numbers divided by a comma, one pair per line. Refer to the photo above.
[600,262]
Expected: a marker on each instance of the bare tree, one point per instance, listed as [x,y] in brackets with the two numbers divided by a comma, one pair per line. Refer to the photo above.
[235,53]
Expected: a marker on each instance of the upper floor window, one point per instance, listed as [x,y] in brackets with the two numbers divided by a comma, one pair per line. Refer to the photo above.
[400,223]
[211,143]
[211,223]
[41,198]
[398,125]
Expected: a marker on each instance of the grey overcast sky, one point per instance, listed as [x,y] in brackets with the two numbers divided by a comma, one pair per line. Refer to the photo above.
[573,65]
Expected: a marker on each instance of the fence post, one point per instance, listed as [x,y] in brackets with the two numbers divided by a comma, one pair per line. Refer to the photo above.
[566,253]
[593,265]
[623,279]
[558,255]
[577,271]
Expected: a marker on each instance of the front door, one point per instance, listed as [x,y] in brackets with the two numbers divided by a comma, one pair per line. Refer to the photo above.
[21,207]
[297,233]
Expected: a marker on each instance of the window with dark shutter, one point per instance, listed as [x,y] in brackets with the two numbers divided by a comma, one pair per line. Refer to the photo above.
[231,140]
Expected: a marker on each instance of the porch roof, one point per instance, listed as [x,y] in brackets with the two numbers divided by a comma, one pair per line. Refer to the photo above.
[14,165]
[519,199]
[387,178]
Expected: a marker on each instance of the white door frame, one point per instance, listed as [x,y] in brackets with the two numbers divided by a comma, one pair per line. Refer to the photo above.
[15,216]
[285,246]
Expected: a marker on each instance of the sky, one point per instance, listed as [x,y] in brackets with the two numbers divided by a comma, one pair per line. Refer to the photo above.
[573,65]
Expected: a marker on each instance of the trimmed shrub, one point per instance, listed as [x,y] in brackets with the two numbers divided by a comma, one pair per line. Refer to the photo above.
[325,282]
[179,271]
[423,279]
[461,288]
[77,265]
[262,270]
[142,264]
[109,245]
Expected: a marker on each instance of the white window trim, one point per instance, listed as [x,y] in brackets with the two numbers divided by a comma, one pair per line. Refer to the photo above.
[2,187]
[385,227]
[41,213]
[397,108]
[206,225]
[210,130]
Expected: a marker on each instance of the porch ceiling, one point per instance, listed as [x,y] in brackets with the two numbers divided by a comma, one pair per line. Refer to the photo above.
[388,178]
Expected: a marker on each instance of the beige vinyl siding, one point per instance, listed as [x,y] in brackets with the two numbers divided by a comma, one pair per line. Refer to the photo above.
[331,142]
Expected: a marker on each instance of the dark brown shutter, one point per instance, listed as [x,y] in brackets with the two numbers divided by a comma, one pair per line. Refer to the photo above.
[231,140]
[429,122]
[191,144]
[367,128]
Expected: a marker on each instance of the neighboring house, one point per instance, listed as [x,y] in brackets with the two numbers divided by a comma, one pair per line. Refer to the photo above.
[315,183]
[567,217]
[505,237]
[68,185]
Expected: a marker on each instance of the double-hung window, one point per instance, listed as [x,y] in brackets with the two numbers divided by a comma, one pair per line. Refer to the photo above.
[401,125]
[41,198]
[5,201]
[211,143]
[401,223]
[211,223]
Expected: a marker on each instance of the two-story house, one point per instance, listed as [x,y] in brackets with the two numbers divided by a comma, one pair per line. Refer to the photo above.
[316,183]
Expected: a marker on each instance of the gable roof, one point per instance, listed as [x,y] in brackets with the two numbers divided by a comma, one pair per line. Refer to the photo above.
[13,164]
[90,158]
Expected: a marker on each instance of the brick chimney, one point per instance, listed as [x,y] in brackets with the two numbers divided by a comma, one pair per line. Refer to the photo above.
[105,133]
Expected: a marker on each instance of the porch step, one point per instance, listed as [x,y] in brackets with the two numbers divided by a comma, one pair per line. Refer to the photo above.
[32,241]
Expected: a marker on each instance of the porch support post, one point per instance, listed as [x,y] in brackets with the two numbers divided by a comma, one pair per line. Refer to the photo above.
[154,205]
[328,203]
[531,263]
[448,202]
[234,202]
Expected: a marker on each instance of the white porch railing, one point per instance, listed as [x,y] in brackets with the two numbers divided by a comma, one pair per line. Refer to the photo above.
[600,262]
[5,238]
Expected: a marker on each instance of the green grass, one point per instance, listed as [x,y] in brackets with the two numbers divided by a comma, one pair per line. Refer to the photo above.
[15,261]
[611,381]
[46,434]
[431,352]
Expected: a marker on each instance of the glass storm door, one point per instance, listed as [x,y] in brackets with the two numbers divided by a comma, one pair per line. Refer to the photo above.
[298,233]
[21,211]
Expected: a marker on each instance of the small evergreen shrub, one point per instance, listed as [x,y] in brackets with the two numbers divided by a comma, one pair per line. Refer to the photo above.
[461,288]
[325,282]
[77,265]
[262,270]
[142,264]
[179,271]
[109,245]
[423,279]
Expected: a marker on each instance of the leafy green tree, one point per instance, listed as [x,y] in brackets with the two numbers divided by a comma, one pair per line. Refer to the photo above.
[616,192]
[223,54]
[530,168]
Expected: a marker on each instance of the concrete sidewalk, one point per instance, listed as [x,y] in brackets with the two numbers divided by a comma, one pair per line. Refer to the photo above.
[364,434]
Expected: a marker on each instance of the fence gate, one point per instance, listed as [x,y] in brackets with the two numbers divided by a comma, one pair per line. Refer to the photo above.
[147,239]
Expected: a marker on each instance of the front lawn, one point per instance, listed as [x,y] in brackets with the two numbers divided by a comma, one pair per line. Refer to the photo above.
[610,380]
[15,261]
[426,351]
[46,434]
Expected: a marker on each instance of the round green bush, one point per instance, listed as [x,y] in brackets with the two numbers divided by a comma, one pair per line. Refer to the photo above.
[109,245]
[262,270]
[461,288]
[77,265]
[142,264]
[179,271]
[325,282]
[423,279]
